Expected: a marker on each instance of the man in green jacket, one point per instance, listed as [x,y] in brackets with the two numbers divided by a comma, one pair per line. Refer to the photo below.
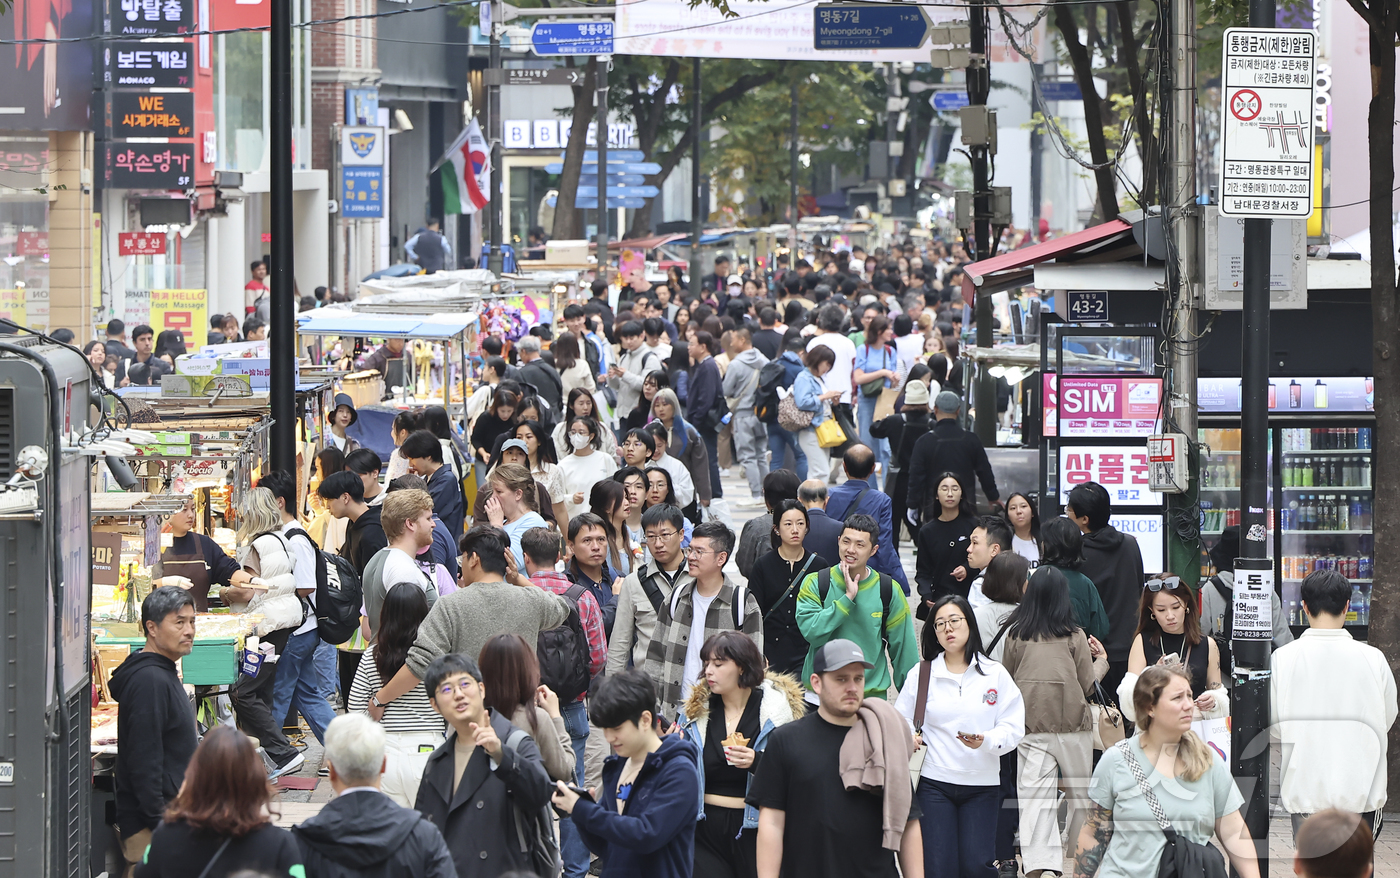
[853,602]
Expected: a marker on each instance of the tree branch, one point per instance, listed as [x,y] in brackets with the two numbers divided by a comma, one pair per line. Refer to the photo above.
[1093,110]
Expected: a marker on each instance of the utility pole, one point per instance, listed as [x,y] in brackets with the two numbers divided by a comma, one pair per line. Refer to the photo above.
[792,137]
[1182,218]
[891,129]
[601,109]
[495,259]
[697,210]
[979,87]
[1250,692]
[282,332]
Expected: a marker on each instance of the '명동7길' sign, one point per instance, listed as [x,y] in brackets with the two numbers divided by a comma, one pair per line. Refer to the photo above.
[1121,469]
[1266,130]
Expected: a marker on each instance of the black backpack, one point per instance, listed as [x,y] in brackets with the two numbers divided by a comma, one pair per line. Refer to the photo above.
[772,376]
[886,595]
[563,653]
[339,594]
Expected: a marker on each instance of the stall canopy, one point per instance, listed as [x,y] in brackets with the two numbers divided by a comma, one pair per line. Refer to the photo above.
[348,324]
[1110,242]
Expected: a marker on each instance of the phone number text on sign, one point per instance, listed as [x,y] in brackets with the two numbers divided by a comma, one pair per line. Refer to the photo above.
[1121,469]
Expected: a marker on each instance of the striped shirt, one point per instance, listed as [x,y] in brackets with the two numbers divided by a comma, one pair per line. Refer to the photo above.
[409,713]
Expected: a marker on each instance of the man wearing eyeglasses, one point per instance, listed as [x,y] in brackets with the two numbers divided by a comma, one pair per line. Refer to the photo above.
[711,603]
[648,587]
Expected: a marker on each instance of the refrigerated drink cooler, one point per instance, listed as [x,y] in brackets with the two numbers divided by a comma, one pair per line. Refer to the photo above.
[1320,502]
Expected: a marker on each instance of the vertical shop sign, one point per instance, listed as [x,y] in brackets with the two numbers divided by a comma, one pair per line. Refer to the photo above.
[185,310]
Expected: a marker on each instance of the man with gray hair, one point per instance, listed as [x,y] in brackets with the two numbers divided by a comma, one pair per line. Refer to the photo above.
[362,832]
[538,374]
[823,532]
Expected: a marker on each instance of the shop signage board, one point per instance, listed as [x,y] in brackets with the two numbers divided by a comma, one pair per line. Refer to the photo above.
[150,165]
[185,310]
[1149,529]
[1101,406]
[140,244]
[572,38]
[32,243]
[1121,469]
[1266,130]
[151,17]
[869,26]
[1291,394]
[1254,591]
[362,192]
[361,106]
[135,64]
[106,558]
[141,114]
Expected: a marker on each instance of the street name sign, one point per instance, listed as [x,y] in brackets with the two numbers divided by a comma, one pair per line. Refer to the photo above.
[949,101]
[572,38]
[613,202]
[534,76]
[869,26]
[619,191]
[1060,90]
[1266,131]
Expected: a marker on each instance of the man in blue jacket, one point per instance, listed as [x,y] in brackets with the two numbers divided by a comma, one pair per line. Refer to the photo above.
[655,778]
[858,494]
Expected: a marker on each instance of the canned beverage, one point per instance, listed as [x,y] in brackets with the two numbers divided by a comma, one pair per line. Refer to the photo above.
[1363,567]
[1353,567]
[1290,567]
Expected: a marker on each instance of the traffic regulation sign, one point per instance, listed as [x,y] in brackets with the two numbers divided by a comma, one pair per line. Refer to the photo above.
[869,26]
[572,38]
[1266,132]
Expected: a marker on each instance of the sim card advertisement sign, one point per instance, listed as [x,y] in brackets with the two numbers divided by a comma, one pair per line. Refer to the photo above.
[134,64]
[1101,406]
[1121,469]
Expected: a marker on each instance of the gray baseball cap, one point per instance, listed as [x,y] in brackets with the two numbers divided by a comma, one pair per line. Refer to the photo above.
[836,655]
[515,443]
[947,401]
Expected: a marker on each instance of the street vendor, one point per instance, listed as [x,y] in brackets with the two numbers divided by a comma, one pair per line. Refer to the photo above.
[194,561]
[392,349]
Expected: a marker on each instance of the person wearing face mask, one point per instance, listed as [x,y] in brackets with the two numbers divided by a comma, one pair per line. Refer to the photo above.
[585,465]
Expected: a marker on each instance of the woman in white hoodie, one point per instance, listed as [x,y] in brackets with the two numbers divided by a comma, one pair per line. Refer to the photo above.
[272,594]
[971,714]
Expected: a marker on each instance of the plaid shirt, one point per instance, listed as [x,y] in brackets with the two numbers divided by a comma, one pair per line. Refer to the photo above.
[671,639]
[588,614]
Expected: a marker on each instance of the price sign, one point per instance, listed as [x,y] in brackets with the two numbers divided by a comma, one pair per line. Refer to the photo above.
[1088,307]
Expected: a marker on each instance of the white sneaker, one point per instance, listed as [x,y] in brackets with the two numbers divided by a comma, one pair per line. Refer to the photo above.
[292,765]
[750,503]
[724,473]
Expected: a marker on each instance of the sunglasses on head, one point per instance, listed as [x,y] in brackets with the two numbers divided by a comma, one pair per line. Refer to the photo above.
[1168,582]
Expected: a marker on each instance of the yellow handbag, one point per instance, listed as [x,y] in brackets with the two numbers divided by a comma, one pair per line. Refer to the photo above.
[829,433]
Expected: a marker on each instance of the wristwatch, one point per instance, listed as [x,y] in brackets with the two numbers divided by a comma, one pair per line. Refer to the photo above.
[374,699]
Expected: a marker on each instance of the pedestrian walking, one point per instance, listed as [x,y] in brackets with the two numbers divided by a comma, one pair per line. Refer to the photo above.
[858,495]
[585,466]
[704,391]
[1169,632]
[750,434]
[947,447]
[649,586]
[424,452]
[755,540]
[775,581]
[901,431]
[1060,547]
[1334,844]
[1112,561]
[942,543]
[540,375]
[966,710]
[874,371]
[811,397]
[625,377]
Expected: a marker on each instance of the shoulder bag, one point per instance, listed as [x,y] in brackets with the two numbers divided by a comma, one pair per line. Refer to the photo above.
[796,581]
[830,434]
[1107,718]
[792,418]
[1181,858]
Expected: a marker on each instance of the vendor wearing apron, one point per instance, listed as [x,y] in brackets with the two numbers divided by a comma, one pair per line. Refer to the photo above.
[194,561]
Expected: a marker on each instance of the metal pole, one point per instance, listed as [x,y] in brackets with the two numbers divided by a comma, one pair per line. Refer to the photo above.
[978,88]
[495,259]
[697,210]
[601,110]
[891,128]
[792,136]
[1183,224]
[1250,724]
[282,332]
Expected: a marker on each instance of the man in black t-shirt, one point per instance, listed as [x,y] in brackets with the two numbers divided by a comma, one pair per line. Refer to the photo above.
[809,824]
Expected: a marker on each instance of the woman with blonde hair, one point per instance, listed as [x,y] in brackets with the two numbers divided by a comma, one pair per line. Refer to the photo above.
[514,504]
[272,594]
[1165,768]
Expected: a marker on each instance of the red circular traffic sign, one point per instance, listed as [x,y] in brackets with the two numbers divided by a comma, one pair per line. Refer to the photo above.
[1245,105]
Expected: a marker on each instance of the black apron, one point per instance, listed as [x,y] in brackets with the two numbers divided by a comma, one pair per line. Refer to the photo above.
[193,568]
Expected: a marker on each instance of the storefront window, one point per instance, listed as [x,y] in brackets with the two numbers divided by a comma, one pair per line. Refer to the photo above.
[528,190]
[238,102]
[24,230]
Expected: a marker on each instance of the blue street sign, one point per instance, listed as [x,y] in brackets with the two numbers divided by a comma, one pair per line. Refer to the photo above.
[945,101]
[620,191]
[869,26]
[572,37]
[614,167]
[613,180]
[590,156]
[1061,90]
[592,203]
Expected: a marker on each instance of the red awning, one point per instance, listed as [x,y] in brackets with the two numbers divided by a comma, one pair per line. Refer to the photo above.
[1017,268]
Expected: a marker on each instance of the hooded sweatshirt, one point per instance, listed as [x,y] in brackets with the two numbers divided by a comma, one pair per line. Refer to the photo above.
[157,721]
[1113,563]
[654,836]
[364,833]
[741,380]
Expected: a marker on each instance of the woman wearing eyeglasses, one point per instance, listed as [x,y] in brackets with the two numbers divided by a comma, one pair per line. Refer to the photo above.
[971,715]
[775,579]
[1169,632]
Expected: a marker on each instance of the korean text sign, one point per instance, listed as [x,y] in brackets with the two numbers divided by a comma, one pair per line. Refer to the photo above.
[1108,405]
[1121,469]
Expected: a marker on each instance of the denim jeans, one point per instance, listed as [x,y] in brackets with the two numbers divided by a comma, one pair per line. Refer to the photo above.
[327,664]
[299,679]
[779,440]
[865,416]
[712,449]
[959,826]
[571,847]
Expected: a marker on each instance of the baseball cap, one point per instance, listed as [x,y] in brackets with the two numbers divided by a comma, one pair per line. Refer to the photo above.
[947,402]
[916,393]
[836,655]
[515,443]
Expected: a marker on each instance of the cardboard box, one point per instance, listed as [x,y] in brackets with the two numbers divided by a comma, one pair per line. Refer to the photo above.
[258,370]
[206,385]
[191,365]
